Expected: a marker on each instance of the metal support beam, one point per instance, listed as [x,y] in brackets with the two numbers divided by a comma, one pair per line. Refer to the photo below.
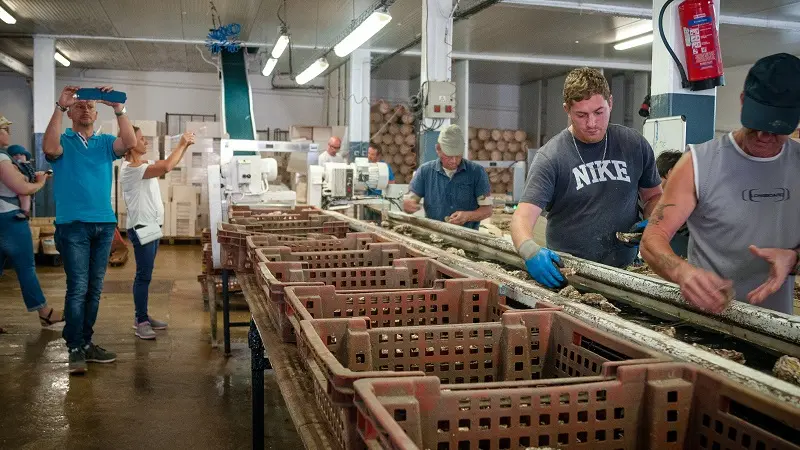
[15,65]
[646,13]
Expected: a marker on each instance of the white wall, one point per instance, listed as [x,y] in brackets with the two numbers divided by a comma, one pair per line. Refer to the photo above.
[16,104]
[153,94]
[729,104]
[530,111]
[555,118]
[391,91]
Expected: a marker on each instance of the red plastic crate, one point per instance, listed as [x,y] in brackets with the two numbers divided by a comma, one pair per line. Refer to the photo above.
[459,300]
[373,254]
[407,273]
[256,211]
[667,406]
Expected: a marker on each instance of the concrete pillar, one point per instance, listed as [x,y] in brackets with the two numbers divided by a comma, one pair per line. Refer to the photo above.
[358,69]
[437,39]
[461,78]
[44,103]
[668,98]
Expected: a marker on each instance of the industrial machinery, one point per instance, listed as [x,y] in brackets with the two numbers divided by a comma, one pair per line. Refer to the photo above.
[246,180]
[341,184]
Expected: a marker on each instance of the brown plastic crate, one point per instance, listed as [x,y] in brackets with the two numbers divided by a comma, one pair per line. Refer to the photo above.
[524,345]
[667,406]
[454,301]
[374,254]
[407,273]
[351,241]
[248,211]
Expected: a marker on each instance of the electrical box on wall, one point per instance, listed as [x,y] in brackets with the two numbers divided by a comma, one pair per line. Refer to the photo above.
[440,100]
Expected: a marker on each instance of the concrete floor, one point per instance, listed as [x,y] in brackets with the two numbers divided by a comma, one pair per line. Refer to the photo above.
[174,392]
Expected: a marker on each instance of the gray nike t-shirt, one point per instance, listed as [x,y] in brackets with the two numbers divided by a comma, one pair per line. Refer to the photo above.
[590,197]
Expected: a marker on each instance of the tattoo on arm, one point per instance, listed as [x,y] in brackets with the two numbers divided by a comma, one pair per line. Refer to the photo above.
[658,213]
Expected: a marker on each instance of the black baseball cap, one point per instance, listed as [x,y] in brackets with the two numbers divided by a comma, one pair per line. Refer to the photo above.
[772,95]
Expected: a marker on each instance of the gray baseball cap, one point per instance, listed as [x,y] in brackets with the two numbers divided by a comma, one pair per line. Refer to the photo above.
[451,140]
[772,95]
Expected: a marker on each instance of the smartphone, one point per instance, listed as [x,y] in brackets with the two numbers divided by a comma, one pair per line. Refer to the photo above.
[97,94]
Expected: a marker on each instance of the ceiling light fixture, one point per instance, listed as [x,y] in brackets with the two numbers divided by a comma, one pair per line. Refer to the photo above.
[280,46]
[361,34]
[635,29]
[6,17]
[269,66]
[316,68]
[635,42]
[61,59]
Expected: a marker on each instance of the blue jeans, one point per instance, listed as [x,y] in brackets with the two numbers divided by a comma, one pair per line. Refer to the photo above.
[84,249]
[16,244]
[145,261]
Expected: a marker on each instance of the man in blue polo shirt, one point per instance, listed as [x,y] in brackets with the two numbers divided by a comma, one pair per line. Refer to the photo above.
[82,163]
[455,190]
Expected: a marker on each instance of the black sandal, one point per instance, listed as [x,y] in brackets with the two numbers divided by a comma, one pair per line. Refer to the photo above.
[46,322]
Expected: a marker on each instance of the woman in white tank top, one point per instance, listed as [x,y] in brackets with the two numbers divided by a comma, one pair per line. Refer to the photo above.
[139,182]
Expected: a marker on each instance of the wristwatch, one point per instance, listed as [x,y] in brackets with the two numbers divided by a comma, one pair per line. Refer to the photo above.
[124,110]
[796,269]
[61,107]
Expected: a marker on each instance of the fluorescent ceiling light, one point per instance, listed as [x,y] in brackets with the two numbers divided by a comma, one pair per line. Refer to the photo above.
[280,46]
[6,17]
[635,42]
[316,68]
[637,28]
[269,66]
[368,28]
[62,59]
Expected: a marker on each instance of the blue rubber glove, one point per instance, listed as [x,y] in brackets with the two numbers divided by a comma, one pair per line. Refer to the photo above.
[639,227]
[543,267]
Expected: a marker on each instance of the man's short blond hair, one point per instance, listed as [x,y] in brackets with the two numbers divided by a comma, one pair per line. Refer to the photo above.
[584,83]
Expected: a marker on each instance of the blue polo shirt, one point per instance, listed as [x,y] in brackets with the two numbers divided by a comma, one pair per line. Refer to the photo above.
[444,195]
[82,178]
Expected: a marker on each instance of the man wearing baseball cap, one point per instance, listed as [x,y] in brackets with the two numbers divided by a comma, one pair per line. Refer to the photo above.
[455,190]
[740,197]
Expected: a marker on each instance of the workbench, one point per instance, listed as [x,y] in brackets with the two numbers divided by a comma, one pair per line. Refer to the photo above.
[268,351]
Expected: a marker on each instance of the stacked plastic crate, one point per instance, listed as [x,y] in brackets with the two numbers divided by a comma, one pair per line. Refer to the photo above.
[407,353]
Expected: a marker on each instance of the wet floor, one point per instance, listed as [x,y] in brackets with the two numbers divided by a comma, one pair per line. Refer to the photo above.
[174,392]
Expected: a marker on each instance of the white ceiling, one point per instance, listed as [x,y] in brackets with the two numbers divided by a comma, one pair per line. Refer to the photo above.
[500,29]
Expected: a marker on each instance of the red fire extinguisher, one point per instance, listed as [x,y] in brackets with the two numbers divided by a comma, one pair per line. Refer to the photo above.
[701,45]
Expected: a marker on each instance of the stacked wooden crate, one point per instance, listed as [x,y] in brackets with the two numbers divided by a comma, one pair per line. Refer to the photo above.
[392,130]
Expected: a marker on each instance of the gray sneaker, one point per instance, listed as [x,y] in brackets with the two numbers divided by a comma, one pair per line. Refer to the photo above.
[97,354]
[77,361]
[145,331]
[155,324]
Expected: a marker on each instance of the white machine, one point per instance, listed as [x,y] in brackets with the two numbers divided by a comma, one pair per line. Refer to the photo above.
[341,183]
[246,179]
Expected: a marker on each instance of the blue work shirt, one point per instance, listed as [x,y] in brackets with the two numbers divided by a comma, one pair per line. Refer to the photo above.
[82,178]
[444,195]
[378,191]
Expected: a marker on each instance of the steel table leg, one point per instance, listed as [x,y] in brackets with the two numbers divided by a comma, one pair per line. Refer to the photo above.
[258,364]
[226,311]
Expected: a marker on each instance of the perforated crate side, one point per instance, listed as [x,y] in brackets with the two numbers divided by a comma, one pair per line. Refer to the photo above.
[524,345]
[376,254]
[465,300]
[341,420]
[667,406]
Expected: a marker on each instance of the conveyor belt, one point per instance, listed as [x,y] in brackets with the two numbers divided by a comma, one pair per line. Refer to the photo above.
[529,293]
[770,329]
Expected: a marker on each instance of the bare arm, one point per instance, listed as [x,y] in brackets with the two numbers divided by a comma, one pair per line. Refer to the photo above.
[127,137]
[523,221]
[702,288]
[17,182]
[411,202]
[164,166]
[462,217]
[650,198]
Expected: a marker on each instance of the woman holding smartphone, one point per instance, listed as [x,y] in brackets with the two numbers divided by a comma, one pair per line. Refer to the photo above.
[139,182]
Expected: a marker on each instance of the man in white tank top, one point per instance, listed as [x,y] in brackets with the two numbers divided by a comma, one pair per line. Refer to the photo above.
[740,197]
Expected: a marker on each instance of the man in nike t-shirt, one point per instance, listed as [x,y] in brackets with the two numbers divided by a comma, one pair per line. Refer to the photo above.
[589,178]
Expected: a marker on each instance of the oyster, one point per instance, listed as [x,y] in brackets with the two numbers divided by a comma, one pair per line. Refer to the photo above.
[456,251]
[732,355]
[570,292]
[568,271]
[787,369]
[665,329]
[435,239]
